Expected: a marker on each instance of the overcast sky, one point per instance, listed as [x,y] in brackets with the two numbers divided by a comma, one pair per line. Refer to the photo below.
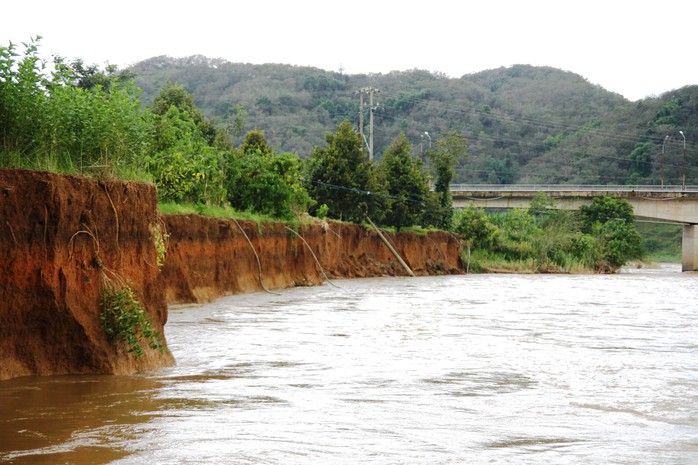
[636,49]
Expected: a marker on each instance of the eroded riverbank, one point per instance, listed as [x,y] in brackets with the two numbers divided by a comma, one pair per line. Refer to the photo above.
[209,257]
[65,237]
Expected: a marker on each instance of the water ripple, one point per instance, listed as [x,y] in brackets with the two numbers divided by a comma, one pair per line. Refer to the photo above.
[458,369]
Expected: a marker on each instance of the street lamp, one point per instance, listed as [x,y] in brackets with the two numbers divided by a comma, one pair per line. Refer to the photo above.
[425,160]
[683,173]
[661,163]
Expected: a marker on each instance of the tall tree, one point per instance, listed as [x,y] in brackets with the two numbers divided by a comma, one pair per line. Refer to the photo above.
[605,209]
[174,95]
[255,140]
[88,77]
[262,181]
[612,221]
[406,182]
[450,150]
[187,163]
[340,176]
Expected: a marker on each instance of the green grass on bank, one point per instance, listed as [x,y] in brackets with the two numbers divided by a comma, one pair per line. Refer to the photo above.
[662,241]
[663,258]
[481,261]
[171,208]
[418,230]
[64,164]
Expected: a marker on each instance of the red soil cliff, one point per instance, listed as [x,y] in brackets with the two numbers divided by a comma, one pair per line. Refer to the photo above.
[59,237]
[208,257]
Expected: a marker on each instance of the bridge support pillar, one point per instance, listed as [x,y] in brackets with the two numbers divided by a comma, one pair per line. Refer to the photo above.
[689,246]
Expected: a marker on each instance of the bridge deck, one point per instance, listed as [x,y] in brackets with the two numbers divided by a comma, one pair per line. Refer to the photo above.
[569,190]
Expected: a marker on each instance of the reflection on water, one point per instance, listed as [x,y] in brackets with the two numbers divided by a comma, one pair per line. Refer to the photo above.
[464,369]
[69,419]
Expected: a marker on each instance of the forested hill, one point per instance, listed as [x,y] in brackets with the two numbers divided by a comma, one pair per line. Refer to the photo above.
[525,124]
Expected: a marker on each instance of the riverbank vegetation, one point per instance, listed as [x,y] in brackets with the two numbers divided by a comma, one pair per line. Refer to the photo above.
[600,237]
[73,118]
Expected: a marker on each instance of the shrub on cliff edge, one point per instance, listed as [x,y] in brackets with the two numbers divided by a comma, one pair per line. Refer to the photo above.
[125,320]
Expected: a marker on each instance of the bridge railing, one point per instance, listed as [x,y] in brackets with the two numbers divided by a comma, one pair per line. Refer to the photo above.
[568,188]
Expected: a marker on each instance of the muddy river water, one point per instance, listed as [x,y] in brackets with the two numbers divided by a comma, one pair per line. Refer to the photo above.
[441,370]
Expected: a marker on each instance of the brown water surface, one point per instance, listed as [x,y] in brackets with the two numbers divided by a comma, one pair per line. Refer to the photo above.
[461,369]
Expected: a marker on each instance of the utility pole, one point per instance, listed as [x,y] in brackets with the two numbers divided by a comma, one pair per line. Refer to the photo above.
[370,126]
[661,163]
[370,91]
[683,171]
[361,113]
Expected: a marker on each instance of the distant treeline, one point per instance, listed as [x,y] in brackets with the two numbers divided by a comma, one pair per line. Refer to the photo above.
[524,124]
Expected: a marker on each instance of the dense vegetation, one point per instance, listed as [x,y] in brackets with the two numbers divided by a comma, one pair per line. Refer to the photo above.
[82,119]
[71,119]
[524,124]
[79,118]
[602,237]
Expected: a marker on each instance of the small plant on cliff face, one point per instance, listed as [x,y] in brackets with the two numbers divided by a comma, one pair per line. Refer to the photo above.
[322,211]
[160,238]
[125,320]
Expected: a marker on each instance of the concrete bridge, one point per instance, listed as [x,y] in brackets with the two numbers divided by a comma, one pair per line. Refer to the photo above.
[667,204]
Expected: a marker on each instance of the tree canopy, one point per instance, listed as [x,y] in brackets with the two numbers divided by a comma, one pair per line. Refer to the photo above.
[450,151]
[262,181]
[406,182]
[524,124]
[340,177]
[613,221]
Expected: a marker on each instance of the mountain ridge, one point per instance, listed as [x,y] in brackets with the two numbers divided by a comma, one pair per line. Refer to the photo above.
[525,123]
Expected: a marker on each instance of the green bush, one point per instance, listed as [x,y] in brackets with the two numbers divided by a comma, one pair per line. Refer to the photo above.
[267,183]
[125,321]
[604,236]
[476,228]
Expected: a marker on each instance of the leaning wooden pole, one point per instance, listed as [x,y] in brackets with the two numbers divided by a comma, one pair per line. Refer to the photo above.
[391,248]
[313,254]
[256,255]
